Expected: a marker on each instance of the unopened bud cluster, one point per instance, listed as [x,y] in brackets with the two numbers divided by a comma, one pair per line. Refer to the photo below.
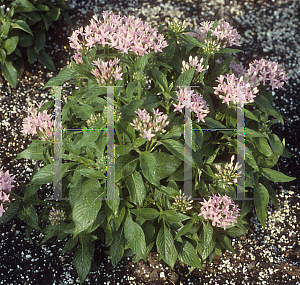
[56,216]
[228,175]
[182,203]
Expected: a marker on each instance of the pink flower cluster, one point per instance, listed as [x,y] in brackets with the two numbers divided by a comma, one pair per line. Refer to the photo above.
[221,210]
[148,125]
[107,73]
[38,122]
[261,71]
[233,89]
[5,184]
[196,103]
[194,62]
[224,32]
[126,34]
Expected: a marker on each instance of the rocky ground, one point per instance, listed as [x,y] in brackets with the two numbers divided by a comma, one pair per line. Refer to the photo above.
[269,29]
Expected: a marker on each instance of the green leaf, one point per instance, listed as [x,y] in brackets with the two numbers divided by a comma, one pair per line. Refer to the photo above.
[4,30]
[131,88]
[160,78]
[31,189]
[125,165]
[10,212]
[10,44]
[10,73]
[145,213]
[263,146]
[33,152]
[46,60]
[25,40]
[271,191]
[117,247]
[249,133]
[135,185]
[175,147]
[142,61]
[186,228]
[20,24]
[276,144]
[64,75]
[85,210]
[136,237]
[188,254]
[2,56]
[222,67]
[185,78]
[165,246]
[114,203]
[208,232]
[235,232]
[261,200]
[41,7]
[217,125]
[44,176]
[27,213]
[205,249]
[264,104]
[191,40]
[166,164]
[31,54]
[53,14]
[148,165]
[174,217]
[275,176]
[250,115]
[40,40]
[83,257]
[225,242]
[69,245]
[23,6]
[250,159]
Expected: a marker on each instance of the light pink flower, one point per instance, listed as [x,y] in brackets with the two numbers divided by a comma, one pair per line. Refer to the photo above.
[224,33]
[126,34]
[107,73]
[196,103]
[38,122]
[234,89]
[221,210]
[5,180]
[148,125]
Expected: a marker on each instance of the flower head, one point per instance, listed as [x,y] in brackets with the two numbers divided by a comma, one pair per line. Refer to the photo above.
[228,175]
[235,89]
[188,99]
[5,185]
[182,203]
[56,216]
[38,122]
[194,62]
[107,73]
[221,210]
[148,125]
[224,34]
[125,34]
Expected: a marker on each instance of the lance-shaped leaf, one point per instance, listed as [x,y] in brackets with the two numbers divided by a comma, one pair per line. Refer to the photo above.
[149,165]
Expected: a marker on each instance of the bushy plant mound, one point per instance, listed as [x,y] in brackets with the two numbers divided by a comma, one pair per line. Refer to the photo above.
[142,84]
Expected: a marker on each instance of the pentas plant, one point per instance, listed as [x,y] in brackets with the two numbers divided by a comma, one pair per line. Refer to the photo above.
[155,77]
